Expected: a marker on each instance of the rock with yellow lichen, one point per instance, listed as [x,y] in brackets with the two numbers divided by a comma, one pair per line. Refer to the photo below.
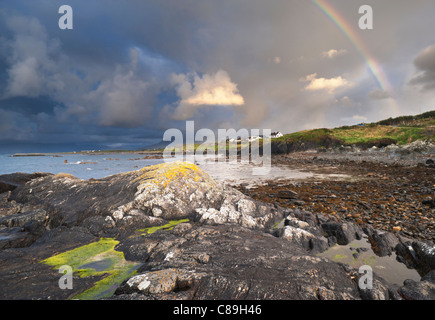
[151,196]
[174,190]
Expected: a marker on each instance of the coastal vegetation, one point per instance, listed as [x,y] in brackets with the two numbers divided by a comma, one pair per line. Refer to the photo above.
[400,131]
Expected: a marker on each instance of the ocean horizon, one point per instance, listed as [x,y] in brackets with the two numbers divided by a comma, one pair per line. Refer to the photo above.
[80,165]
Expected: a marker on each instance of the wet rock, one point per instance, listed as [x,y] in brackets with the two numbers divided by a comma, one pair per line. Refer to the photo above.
[5,187]
[383,243]
[279,148]
[203,258]
[8,208]
[15,238]
[343,232]
[168,191]
[425,254]
[121,204]
[287,194]
[319,244]
[417,255]
[182,228]
[413,290]
[429,277]
[378,291]
[325,294]
[299,202]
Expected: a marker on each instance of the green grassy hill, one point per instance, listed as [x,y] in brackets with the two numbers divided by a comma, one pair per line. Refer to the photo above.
[399,131]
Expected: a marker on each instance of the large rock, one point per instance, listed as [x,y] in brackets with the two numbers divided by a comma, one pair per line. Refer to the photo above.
[9,182]
[299,236]
[425,254]
[240,209]
[417,255]
[143,198]
[168,191]
[383,243]
[423,290]
[343,232]
[232,262]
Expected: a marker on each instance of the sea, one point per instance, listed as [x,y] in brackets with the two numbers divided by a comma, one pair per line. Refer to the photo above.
[80,165]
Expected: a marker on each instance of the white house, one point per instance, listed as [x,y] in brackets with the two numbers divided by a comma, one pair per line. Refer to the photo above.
[276,135]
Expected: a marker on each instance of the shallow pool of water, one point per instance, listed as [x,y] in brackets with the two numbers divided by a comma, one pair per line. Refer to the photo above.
[100,265]
[386,267]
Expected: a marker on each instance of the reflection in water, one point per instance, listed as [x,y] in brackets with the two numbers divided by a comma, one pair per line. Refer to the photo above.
[359,252]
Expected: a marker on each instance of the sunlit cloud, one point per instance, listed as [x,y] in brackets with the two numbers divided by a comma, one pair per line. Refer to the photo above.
[329,85]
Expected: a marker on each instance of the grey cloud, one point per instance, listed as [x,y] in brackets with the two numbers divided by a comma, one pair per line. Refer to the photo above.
[123,101]
[425,63]
[16,126]
[426,59]
[31,57]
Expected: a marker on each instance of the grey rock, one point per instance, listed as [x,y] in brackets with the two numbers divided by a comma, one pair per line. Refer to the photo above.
[378,291]
[19,220]
[383,243]
[9,182]
[412,290]
[287,194]
[158,282]
[298,236]
[425,254]
[343,232]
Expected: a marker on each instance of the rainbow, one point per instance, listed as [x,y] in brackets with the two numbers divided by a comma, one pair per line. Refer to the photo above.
[349,31]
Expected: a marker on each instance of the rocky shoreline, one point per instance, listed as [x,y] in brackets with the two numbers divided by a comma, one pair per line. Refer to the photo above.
[171,232]
[391,196]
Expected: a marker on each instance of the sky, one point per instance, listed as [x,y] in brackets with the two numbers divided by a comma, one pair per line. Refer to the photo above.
[130,70]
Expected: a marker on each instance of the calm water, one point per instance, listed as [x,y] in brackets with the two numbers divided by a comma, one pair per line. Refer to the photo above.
[79,165]
[386,267]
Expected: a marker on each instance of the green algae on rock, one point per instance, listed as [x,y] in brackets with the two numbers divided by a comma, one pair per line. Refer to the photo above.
[96,259]
[169,226]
